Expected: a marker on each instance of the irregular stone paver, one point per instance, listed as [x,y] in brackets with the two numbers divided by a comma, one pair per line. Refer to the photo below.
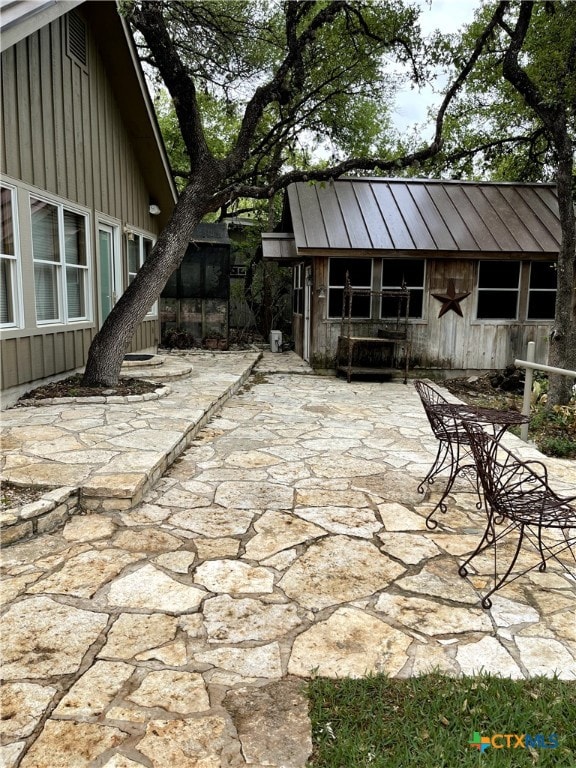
[45,638]
[277,531]
[233,576]
[65,743]
[288,537]
[350,643]
[237,621]
[84,574]
[22,705]
[92,693]
[432,617]
[337,570]
[272,723]
[182,692]
[133,633]
[206,742]
[151,589]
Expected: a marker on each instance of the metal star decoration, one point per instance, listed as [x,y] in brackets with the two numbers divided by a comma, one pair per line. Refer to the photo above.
[450,299]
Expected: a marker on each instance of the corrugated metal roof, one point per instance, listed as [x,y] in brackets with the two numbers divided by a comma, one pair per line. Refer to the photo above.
[424,215]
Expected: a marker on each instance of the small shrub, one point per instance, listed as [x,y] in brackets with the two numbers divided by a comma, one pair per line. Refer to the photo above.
[177,339]
[560,447]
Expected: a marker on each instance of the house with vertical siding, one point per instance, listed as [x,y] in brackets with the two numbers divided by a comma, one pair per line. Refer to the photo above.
[85,183]
[478,260]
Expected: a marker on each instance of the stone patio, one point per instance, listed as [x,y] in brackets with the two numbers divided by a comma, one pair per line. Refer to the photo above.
[287,540]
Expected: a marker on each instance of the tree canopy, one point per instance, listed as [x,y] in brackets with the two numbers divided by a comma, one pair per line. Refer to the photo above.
[254,84]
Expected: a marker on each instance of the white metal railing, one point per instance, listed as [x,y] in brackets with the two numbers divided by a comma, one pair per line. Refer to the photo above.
[530,366]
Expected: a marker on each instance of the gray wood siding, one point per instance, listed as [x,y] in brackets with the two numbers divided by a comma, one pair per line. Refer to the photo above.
[449,342]
[62,128]
[63,133]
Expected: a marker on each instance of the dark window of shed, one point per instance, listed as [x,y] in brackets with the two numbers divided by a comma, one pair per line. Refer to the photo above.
[400,273]
[76,39]
[360,275]
[498,289]
[298,291]
[542,290]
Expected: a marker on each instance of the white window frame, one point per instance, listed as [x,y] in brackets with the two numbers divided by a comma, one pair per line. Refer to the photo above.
[504,289]
[14,261]
[133,234]
[298,288]
[337,287]
[531,290]
[61,266]
[412,288]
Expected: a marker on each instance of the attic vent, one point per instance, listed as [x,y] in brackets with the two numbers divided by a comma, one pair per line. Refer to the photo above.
[76,39]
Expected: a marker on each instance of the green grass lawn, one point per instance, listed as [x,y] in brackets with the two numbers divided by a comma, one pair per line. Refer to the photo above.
[429,722]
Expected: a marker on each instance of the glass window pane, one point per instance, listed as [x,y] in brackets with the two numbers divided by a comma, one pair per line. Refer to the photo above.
[361,273]
[74,238]
[46,289]
[335,299]
[543,274]
[359,270]
[501,305]
[542,305]
[45,244]
[499,274]
[147,246]
[396,272]
[133,256]
[6,222]
[337,271]
[75,292]
[6,303]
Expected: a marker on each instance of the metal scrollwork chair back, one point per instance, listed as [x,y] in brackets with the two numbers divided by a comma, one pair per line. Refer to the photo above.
[519,499]
[453,444]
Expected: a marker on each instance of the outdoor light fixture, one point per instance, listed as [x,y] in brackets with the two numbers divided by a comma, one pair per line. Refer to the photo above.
[322,292]
[129,233]
[154,209]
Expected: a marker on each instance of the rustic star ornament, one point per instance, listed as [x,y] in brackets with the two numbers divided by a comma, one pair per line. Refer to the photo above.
[450,299]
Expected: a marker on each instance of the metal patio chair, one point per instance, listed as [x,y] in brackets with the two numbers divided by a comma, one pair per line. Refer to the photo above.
[454,454]
[519,498]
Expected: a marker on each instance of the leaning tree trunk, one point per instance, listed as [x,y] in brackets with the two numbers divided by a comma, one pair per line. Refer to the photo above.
[111,342]
[563,337]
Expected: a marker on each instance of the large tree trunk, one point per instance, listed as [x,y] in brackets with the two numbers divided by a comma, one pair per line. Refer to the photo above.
[110,344]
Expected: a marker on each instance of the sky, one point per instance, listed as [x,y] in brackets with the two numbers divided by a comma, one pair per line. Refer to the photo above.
[447,16]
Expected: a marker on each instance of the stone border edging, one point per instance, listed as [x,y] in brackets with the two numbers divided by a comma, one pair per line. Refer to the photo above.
[99,502]
[158,393]
[51,511]
[55,507]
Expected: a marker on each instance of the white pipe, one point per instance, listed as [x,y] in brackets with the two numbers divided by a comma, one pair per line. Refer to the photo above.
[527,388]
[547,368]
[530,366]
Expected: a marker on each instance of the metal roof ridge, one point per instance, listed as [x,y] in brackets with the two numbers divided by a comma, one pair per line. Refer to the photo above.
[467,182]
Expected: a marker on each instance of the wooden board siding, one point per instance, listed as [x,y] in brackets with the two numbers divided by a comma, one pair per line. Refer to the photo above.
[29,358]
[449,342]
[63,131]
[64,134]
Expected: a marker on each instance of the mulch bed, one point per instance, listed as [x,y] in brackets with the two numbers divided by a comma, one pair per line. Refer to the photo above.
[72,387]
[15,496]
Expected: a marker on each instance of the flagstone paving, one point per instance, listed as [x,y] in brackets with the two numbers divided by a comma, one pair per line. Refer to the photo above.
[288,540]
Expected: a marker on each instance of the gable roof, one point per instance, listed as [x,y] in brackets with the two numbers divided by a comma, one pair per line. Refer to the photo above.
[21,18]
[423,215]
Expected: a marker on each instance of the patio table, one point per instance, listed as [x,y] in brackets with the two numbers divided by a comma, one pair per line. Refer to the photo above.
[453,416]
